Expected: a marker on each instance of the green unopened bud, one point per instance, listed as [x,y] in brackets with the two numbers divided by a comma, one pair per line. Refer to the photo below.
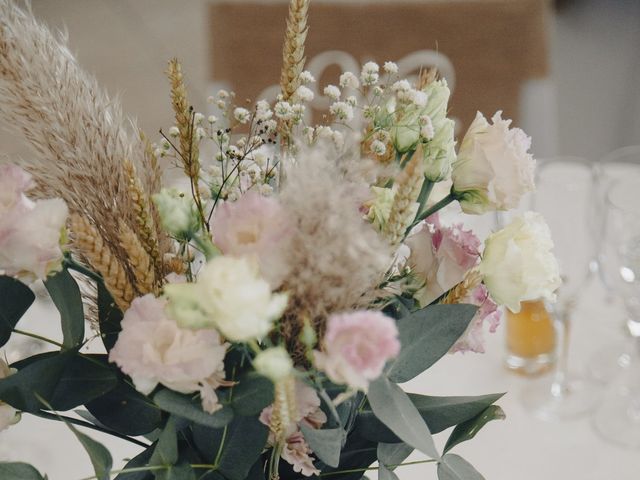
[439,153]
[308,335]
[274,363]
[178,213]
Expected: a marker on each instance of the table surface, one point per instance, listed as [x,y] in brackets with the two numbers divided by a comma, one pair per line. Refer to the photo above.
[521,447]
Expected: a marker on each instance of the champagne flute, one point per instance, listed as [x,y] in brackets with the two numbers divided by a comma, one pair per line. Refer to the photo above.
[564,187]
[618,418]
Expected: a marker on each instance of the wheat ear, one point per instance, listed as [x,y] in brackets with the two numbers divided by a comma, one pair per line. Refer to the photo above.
[140,262]
[90,244]
[293,49]
[409,183]
[457,294]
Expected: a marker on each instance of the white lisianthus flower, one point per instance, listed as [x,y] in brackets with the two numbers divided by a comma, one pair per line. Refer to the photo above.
[177,211]
[494,168]
[8,415]
[518,265]
[274,363]
[229,295]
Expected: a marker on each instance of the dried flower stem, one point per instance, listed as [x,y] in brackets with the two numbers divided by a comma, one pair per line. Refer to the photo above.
[293,49]
[409,183]
[90,244]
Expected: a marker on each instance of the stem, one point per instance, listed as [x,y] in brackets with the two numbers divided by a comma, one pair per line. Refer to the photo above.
[38,337]
[559,385]
[152,469]
[433,209]
[357,470]
[425,191]
[81,423]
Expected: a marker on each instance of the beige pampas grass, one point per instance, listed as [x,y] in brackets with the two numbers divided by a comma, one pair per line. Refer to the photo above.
[409,183]
[337,258]
[80,136]
[87,239]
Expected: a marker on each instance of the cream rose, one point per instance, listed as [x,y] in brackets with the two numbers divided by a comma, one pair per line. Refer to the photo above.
[8,415]
[493,169]
[229,295]
[518,264]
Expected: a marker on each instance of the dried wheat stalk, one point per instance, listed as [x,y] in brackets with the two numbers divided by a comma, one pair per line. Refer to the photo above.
[140,262]
[409,183]
[457,294]
[91,246]
[293,49]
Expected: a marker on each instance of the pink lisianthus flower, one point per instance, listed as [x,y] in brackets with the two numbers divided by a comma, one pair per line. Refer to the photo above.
[30,232]
[441,256]
[357,346]
[153,349]
[296,451]
[255,226]
[488,313]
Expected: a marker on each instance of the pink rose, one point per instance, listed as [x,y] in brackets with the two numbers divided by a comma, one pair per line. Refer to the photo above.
[357,346]
[256,226]
[441,256]
[296,451]
[488,313]
[30,232]
[152,349]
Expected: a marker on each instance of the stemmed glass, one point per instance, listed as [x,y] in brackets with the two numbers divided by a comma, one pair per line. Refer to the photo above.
[618,418]
[619,164]
[564,187]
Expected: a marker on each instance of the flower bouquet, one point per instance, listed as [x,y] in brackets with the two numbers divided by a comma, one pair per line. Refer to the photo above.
[254,320]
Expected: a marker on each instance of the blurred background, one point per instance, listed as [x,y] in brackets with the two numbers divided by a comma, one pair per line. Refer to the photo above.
[567,72]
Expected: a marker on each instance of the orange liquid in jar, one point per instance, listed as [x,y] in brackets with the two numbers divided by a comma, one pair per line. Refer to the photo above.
[530,332]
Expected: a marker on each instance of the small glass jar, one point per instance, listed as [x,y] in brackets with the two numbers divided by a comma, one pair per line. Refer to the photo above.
[531,339]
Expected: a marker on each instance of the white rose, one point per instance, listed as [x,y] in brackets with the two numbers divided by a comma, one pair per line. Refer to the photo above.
[274,363]
[518,264]
[494,168]
[177,211]
[229,295]
[8,415]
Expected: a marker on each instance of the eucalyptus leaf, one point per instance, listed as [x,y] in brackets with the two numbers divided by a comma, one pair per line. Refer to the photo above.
[109,317]
[252,394]
[467,430]
[140,460]
[391,455]
[357,453]
[65,293]
[426,336]
[18,471]
[440,413]
[454,467]
[99,455]
[15,300]
[126,411]
[165,453]
[391,405]
[186,406]
[326,444]
[243,443]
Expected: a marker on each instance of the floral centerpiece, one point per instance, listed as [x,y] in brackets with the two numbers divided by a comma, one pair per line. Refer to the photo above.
[257,322]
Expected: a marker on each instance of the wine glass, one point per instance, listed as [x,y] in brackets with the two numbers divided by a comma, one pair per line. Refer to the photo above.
[564,187]
[618,418]
[619,164]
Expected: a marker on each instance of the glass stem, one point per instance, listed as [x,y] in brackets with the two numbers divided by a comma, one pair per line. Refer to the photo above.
[559,386]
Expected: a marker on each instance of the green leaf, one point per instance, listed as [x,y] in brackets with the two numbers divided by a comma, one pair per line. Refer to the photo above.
[393,407]
[454,467]
[244,441]
[166,451]
[65,294]
[440,413]
[39,378]
[252,394]
[18,471]
[467,430]
[140,460]
[15,300]
[326,444]
[186,406]
[426,336]
[109,317]
[99,455]
[182,471]
[389,456]
[126,411]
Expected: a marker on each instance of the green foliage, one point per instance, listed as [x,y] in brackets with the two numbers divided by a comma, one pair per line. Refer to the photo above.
[467,430]
[65,293]
[390,455]
[126,411]
[190,408]
[426,336]
[165,453]
[99,455]
[109,317]
[140,460]
[393,407]
[15,300]
[19,471]
[454,467]
[439,413]
[326,444]
[244,440]
[252,394]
